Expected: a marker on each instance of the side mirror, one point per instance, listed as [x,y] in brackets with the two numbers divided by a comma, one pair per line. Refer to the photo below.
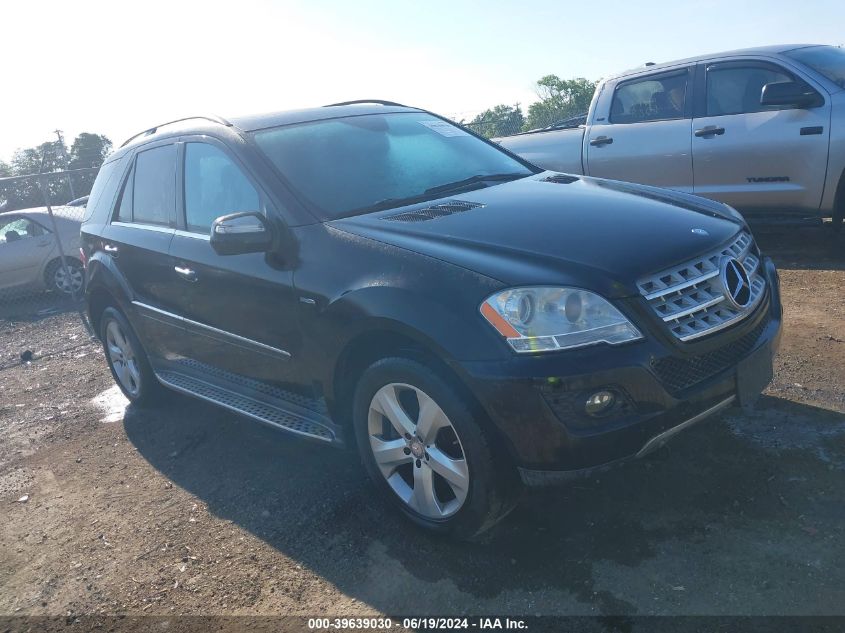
[789,93]
[239,233]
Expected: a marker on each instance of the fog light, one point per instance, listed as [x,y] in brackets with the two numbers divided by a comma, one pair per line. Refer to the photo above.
[600,402]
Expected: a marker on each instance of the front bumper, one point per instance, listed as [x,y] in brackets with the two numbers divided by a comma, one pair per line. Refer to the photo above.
[663,386]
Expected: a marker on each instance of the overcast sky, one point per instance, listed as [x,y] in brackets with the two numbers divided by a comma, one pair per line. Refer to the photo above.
[116,68]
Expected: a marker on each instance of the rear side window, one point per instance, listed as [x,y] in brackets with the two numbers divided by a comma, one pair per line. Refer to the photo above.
[737,89]
[154,197]
[655,98]
[101,186]
[214,186]
[18,228]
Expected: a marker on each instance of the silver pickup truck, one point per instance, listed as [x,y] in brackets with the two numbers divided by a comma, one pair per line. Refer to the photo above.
[761,129]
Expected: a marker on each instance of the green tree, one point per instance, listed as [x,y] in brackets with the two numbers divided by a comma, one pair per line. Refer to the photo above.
[559,99]
[501,120]
[87,150]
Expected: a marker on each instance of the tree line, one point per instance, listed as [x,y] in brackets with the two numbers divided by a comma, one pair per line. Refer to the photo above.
[559,99]
[87,150]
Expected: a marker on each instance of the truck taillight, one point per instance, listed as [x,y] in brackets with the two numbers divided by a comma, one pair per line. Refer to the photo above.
[83,257]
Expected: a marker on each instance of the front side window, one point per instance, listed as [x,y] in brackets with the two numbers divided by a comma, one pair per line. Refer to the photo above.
[154,191]
[14,229]
[651,99]
[737,89]
[354,164]
[828,61]
[214,186]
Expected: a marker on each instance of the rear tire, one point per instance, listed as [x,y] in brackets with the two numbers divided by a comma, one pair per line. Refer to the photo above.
[58,281]
[435,461]
[128,361]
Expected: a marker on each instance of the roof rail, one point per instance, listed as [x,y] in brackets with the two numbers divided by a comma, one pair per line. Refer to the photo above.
[152,130]
[357,101]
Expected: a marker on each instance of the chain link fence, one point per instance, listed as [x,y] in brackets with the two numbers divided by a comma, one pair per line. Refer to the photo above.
[42,274]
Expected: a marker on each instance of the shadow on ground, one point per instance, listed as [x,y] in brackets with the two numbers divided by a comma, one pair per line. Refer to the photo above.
[803,248]
[657,520]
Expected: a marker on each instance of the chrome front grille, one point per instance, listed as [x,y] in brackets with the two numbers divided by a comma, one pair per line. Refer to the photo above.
[691,298]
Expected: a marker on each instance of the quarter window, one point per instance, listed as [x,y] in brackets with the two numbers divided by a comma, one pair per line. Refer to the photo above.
[737,89]
[652,99]
[154,197]
[214,186]
[124,207]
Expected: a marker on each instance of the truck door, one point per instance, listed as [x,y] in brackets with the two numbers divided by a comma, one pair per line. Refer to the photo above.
[755,157]
[646,136]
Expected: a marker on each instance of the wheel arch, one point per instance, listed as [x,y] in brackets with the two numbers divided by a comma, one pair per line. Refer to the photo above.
[99,298]
[385,340]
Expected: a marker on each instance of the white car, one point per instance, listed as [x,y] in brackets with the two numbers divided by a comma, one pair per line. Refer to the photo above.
[29,252]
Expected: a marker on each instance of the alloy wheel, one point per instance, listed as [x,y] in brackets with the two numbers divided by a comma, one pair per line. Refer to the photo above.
[418,451]
[71,283]
[123,359]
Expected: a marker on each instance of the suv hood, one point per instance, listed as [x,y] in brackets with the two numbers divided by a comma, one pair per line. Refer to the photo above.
[584,232]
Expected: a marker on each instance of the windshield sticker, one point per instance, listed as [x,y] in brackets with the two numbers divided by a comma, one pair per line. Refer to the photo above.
[443,128]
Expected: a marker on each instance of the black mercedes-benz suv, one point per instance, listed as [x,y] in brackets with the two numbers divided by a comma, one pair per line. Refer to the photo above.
[373,274]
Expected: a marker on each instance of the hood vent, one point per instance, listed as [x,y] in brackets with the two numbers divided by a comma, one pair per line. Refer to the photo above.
[433,212]
[560,179]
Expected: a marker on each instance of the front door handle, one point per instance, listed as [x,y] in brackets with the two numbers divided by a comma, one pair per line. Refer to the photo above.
[710,130]
[111,249]
[185,273]
[601,140]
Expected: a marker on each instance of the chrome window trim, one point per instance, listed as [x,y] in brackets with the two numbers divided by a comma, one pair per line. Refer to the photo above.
[146,227]
[236,337]
[196,236]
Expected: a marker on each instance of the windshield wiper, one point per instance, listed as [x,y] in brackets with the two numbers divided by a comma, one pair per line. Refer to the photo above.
[433,192]
[472,180]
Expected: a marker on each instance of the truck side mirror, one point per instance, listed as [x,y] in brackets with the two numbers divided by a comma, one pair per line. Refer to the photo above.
[789,93]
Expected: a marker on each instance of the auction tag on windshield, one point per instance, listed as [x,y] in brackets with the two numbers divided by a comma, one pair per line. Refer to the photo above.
[443,128]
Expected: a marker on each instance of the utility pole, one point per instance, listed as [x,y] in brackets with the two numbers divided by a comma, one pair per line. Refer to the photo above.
[66,161]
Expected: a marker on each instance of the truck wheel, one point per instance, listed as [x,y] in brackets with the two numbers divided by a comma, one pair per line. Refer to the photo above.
[425,451]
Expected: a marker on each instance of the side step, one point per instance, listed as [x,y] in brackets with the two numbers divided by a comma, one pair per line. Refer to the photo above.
[265,409]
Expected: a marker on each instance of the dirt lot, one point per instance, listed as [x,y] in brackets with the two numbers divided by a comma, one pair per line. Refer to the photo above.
[193,510]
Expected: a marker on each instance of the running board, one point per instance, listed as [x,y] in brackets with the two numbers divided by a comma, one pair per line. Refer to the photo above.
[300,422]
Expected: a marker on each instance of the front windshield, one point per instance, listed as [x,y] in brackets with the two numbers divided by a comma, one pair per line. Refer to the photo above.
[825,60]
[353,164]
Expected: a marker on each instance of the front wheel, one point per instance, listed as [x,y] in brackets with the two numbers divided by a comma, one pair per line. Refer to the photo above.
[423,447]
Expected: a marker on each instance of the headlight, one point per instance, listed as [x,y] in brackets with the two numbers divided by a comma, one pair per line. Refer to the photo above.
[546,319]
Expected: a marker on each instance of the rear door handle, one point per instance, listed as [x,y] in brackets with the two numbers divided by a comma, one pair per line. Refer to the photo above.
[185,273]
[710,130]
[111,249]
[601,140]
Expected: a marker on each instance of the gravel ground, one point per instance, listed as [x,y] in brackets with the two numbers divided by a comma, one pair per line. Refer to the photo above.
[192,510]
